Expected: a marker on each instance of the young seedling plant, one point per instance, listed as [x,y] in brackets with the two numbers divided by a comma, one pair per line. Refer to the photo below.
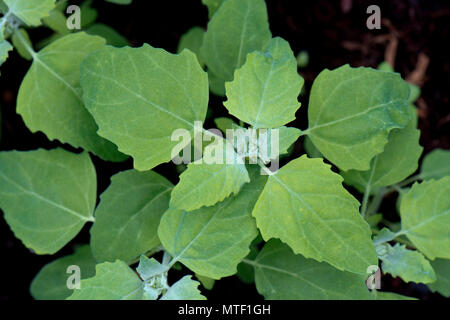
[296,232]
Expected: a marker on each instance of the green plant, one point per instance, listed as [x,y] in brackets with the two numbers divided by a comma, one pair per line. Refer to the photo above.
[296,232]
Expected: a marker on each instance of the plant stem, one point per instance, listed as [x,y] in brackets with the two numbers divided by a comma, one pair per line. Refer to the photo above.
[376,202]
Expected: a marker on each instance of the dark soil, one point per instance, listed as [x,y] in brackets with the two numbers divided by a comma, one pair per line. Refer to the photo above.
[333,32]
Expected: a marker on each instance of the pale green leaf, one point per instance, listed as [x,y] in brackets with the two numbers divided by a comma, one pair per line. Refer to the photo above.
[385,235]
[31,11]
[139,109]
[399,159]
[216,85]
[127,218]
[192,40]
[88,14]
[264,91]
[435,165]
[286,137]
[205,184]
[57,21]
[425,216]
[414,93]
[224,123]
[47,196]
[351,112]
[245,271]
[305,205]
[212,241]
[282,275]
[51,281]
[20,47]
[410,265]
[442,284]
[111,36]
[112,281]
[213,6]
[238,28]
[149,268]
[206,282]
[50,100]
[311,149]
[184,289]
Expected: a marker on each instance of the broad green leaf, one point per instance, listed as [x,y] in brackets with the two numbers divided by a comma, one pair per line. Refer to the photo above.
[311,149]
[264,91]
[305,205]
[414,93]
[57,21]
[238,28]
[205,184]
[425,216]
[31,11]
[121,2]
[351,112]
[245,271]
[282,275]
[51,281]
[216,85]
[140,109]
[88,14]
[213,6]
[410,265]
[385,235]
[47,196]
[286,137]
[127,218]
[212,241]
[50,100]
[435,165]
[442,284]
[374,220]
[184,289]
[399,159]
[111,36]
[21,48]
[206,282]
[112,281]
[224,123]
[5,47]
[192,40]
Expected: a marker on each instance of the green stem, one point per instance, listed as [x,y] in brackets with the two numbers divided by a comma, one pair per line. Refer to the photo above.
[367,190]
[376,202]
[4,20]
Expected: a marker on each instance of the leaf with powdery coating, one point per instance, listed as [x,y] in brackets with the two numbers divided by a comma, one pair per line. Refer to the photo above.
[127,218]
[305,205]
[236,29]
[31,11]
[50,99]
[140,110]
[184,289]
[211,241]
[47,196]
[282,275]
[425,217]
[351,112]
[112,281]
[264,91]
